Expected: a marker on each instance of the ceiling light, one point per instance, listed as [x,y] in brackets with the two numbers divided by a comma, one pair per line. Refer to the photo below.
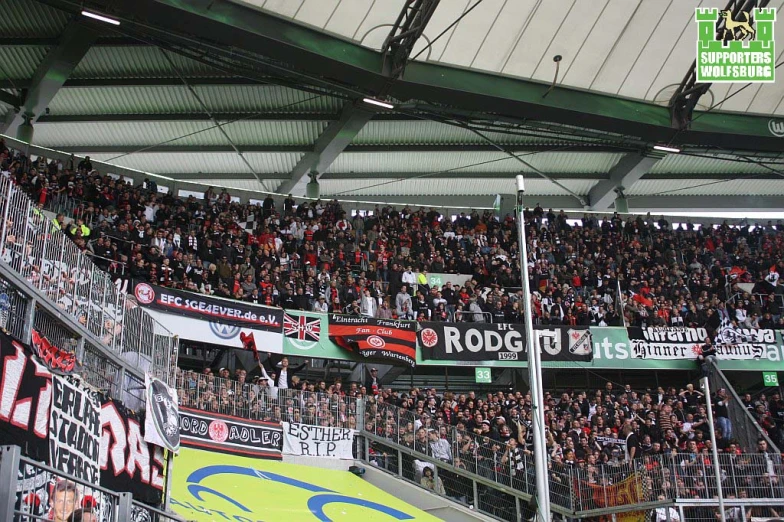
[666,148]
[373,101]
[101,18]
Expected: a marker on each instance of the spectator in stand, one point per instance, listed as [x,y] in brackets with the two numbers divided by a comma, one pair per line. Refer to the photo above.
[679,276]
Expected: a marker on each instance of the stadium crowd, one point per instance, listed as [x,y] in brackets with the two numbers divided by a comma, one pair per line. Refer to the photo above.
[314,255]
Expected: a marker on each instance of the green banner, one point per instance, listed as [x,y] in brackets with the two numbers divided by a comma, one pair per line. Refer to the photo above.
[614,350]
[306,334]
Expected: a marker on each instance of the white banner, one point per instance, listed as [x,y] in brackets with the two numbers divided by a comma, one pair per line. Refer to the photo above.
[162,420]
[217,332]
[75,429]
[317,441]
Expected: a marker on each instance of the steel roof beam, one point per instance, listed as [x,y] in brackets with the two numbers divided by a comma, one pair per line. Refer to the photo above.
[197,117]
[317,57]
[334,140]
[10,99]
[35,41]
[380,148]
[52,72]
[623,175]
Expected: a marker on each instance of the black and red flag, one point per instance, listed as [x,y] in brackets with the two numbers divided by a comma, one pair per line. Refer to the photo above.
[383,339]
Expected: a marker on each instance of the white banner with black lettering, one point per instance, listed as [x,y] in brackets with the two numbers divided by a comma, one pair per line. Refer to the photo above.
[162,418]
[317,441]
[75,428]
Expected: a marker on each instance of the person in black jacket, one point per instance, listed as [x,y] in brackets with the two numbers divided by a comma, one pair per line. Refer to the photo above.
[706,356]
[373,383]
[284,372]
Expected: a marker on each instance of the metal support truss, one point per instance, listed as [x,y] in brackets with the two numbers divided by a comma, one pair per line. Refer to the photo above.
[409,26]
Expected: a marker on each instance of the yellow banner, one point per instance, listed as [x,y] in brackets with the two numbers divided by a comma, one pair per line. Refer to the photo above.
[210,486]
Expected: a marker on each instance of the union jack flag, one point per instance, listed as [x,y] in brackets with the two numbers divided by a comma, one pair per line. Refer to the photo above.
[302,327]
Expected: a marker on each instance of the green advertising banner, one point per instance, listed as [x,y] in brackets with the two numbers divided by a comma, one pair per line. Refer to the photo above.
[306,334]
[613,349]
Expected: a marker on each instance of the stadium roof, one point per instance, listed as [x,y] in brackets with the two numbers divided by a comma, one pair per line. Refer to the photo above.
[258,94]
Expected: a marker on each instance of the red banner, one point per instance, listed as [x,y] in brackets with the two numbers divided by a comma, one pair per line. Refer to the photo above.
[394,341]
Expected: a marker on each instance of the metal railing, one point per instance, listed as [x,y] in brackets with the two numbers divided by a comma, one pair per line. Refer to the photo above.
[740,423]
[42,254]
[253,401]
[33,491]
[577,486]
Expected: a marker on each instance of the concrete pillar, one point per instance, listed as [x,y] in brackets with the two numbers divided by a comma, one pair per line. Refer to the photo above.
[621,205]
[313,190]
[24,131]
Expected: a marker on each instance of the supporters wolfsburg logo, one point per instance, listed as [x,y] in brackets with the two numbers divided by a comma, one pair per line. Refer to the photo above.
[735,47]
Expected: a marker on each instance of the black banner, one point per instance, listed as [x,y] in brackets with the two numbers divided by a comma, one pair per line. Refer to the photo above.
[502,342]
[75,429]
[391,341]
[127,462]
[213,309]
[25,398]
[226,434]
[666,343]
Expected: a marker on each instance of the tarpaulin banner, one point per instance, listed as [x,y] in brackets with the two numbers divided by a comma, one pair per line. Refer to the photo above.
[306,334]
[162,420]
[317,441]
[380,339]
[614,350]
[502,342]
[75,428]
[670,343]
[25,399]
[227,434]
[127,462]
[625,493]
[212,320]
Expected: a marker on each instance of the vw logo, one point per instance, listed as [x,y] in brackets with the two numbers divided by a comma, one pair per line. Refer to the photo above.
[776,127]
[225,331]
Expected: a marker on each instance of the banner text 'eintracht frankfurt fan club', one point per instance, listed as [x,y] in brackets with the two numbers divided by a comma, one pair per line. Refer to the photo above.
[381,339]
[502,342]
[209,319]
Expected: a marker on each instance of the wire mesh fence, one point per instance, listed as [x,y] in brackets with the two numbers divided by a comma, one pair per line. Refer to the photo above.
[41,252]
[732,417]
[13,309]
[260,402]
[578,486]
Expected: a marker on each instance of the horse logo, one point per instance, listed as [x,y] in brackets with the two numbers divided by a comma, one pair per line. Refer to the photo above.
[730,25]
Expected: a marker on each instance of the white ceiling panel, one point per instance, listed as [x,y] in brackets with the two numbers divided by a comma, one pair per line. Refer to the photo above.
[670,30]
[268,185]
[470,34]
[348,17]
[631,48]
[581,19]
[502,36]
[317,12]
[359,162]
[449,187]
[706,187]
[376,23]
[629,45]
[176,133]
[446,13]
[536,38]
[216,162]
